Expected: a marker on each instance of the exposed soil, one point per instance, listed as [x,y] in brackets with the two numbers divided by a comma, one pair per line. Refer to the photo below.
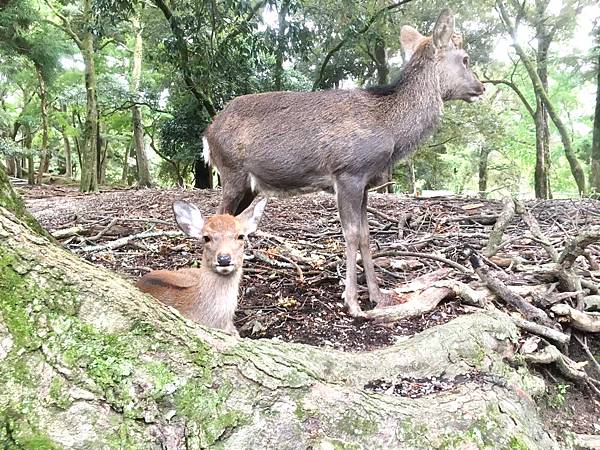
[291,287]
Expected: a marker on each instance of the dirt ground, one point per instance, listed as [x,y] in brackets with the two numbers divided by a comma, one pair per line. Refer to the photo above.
[291,288]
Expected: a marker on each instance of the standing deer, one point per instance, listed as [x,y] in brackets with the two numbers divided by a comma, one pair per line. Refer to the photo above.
[207,295]
[340,140]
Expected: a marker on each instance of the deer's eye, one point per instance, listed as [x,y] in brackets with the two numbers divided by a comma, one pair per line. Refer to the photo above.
[206,239]
[241,237]
[466,61]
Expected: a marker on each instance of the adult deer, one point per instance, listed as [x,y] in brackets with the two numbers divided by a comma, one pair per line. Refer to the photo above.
[207,295]
[340,140]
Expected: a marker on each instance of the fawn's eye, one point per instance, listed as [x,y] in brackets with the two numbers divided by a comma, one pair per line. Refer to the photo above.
[241,237]
[206,239]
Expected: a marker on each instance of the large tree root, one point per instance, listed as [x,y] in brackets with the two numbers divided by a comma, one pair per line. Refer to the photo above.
[87,361]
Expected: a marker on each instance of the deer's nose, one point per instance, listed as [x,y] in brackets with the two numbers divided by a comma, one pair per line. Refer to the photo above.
[224,260]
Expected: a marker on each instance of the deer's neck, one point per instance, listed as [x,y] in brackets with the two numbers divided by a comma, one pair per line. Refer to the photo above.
[217,297]
[415,109]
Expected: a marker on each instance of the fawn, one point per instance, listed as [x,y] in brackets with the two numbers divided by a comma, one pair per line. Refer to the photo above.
[207,295]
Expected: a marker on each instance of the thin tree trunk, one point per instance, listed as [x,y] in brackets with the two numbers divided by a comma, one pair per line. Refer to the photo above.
[596,135]
[27,142]
[20,164]
[410,173]
[102,151]
[125,170]
[202,175]
[143,170]
[89,152]
[483,170]
[281,44]
[542,133]
[11,166]
[575,166]
[44,155]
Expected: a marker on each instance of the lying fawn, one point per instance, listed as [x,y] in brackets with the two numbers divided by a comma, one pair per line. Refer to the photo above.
[207,295]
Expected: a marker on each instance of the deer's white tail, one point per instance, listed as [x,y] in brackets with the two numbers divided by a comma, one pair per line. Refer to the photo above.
[206,151]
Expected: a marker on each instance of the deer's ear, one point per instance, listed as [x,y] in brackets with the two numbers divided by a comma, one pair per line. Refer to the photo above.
[443,30]
[409,38]
[189,218]
[250,217]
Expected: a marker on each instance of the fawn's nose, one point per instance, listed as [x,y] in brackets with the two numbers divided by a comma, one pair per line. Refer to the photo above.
[224,260]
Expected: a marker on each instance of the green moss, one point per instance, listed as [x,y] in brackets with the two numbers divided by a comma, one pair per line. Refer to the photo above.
[516,443]
[17,295]
[58,393]
[17,433]
[161,376]
[11,201]
[413,434]
[353,424]
[204,407]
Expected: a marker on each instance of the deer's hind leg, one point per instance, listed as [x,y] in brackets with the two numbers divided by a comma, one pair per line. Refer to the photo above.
[375,294]
[349,200]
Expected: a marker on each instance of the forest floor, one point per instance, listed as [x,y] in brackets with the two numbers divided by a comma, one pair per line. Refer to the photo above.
[291,287]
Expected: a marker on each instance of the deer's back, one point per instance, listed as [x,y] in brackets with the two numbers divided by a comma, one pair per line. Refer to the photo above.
[177,289]
[295,139]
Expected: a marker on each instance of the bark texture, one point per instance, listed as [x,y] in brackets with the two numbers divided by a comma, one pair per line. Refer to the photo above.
[596,135]
[87,361]
[143,169]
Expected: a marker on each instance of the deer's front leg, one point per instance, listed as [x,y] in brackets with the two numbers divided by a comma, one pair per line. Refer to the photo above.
[349,200]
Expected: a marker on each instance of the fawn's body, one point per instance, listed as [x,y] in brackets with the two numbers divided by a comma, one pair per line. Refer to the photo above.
[207,295]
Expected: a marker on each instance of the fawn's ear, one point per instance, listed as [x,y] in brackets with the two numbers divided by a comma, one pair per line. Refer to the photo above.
[443,30]
[410,39]
[189,218]
[250,217]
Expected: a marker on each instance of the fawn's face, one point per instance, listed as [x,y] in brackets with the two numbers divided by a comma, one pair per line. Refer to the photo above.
[223,236]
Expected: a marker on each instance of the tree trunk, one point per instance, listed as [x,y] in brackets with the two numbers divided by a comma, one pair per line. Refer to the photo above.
[483,170]
[125,171]
[68,156]
[27,142]
[538,88]
[542,133]
[87,361]
[44,154]
[410,173]
[596,136]
[143,169]
[20,165]
[281,44]
[89,152]
[11,166]
[202,175]
[102,152]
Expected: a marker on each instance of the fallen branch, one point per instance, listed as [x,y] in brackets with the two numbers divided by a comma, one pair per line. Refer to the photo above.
[576,246]
[567,367]
[582,321]
[534,227]
[112,245]
[541,330]
[414,298]
[586,441]
[504,219]
[441,259]
[501,290]
[416,304]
